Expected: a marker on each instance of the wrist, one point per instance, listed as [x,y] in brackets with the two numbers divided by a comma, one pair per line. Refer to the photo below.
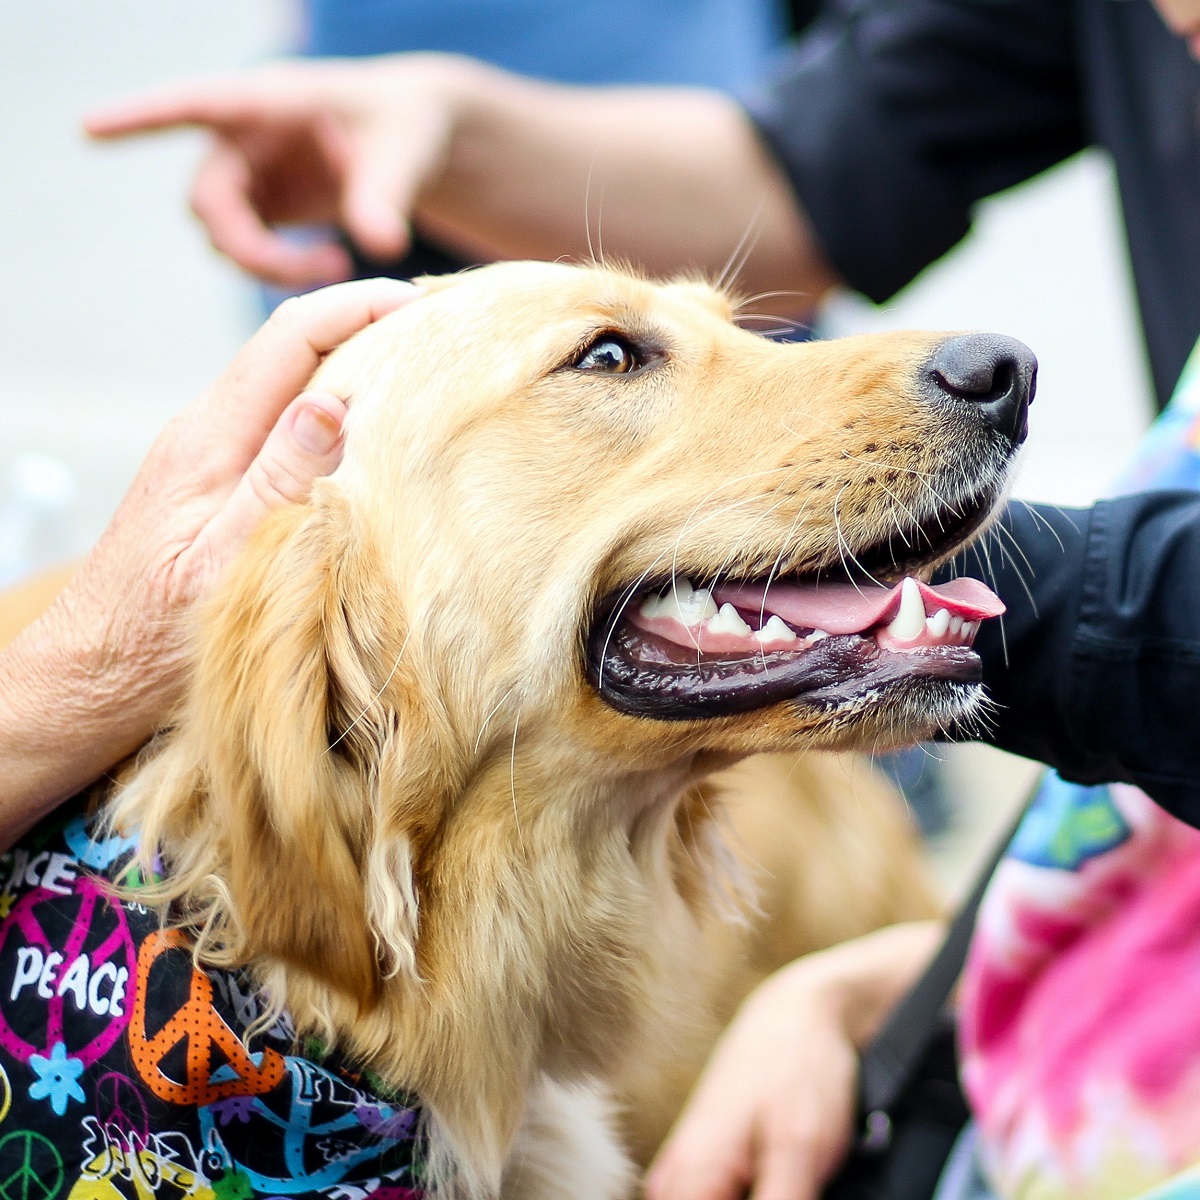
[858,983]
[484,106]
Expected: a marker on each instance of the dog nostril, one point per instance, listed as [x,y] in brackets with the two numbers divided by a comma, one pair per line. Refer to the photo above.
[996,375]
[982,386]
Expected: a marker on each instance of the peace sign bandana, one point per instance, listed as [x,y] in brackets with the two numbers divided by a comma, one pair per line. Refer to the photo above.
[125,1072]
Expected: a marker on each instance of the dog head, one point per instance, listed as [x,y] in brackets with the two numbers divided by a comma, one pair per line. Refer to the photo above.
[551,459]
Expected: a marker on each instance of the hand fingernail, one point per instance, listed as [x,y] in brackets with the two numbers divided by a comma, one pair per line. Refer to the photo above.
[316,430]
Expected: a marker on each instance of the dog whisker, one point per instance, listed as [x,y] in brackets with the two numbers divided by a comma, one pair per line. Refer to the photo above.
[371,703]
[1040,520]
[1000,529]
[512,779]
[491,713]
[742,251]
[844,550]
[587,208]
[772,295]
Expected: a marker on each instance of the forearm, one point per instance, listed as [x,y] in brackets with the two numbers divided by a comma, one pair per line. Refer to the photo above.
[1095,668]
[669,179]
[69,711]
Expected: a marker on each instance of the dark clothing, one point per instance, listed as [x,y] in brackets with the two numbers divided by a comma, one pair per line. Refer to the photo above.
[1105,677]
[893,117]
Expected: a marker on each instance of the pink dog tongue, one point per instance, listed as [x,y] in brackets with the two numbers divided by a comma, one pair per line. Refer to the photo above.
[845,608]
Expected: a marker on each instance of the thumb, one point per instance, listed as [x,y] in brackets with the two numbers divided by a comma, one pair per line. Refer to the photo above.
[304,445]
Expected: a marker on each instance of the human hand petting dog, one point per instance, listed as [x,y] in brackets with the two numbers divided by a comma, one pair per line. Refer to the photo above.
[773,1113]
[490,164]
[100,671]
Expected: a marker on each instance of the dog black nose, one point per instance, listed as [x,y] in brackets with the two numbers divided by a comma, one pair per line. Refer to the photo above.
[995,374]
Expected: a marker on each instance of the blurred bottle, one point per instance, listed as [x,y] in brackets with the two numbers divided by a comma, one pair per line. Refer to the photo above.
[36,508]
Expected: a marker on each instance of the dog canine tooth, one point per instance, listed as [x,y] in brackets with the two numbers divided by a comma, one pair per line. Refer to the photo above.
[688,606]
[909,622]
[651,606]
[939,623]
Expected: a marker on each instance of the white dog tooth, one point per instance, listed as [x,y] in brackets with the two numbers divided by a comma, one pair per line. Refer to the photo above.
[817,635]
[956,626]
[685,605]
[776,632]
[727,620]
[939,623]
[703,597]
[651,606]
[909,622]
[669,606]
[969,629]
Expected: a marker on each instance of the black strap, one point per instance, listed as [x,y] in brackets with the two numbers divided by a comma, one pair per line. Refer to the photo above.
[890,1063]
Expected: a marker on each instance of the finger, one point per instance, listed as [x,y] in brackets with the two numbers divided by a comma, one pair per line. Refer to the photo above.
[214,102]
[222,200]
[244,404]
[380,191]
[701,1163]
[305,445]
[787,1170]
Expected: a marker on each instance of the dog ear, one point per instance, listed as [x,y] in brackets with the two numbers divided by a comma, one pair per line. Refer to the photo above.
[295,702]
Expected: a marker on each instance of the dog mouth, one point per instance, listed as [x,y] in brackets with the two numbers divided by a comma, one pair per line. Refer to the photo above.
[834,638]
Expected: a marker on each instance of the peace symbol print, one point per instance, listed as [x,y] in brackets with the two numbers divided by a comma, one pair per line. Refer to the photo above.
[30,1167]
[203,1029]
[120,1107]
[56,951]
[314,1133]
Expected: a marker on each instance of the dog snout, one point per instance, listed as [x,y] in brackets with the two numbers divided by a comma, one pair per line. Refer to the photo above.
[996,375]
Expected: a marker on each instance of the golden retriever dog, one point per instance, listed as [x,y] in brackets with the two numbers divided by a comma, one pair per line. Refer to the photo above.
[431,836]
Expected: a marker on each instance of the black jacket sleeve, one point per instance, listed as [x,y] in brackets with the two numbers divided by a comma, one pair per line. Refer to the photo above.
[1095,668]
[892,117]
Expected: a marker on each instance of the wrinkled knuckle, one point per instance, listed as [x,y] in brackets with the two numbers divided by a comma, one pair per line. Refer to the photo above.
[275,483]
[289,314]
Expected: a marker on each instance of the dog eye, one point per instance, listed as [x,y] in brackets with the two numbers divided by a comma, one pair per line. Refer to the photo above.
[609,354]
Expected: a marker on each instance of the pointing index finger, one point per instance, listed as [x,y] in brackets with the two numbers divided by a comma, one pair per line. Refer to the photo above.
[215,103]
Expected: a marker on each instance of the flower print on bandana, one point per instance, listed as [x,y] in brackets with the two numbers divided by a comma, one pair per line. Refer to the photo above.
[57,1078]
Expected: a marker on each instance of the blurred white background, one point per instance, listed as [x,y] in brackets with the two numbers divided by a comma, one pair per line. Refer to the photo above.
[114,311]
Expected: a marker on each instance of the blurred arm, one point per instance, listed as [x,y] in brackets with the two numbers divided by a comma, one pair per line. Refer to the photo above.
[490,164]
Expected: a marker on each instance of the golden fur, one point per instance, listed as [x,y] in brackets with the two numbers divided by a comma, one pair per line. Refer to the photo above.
[392,791]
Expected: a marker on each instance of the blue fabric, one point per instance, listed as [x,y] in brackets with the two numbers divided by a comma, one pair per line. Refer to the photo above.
[722,44]
[962,1177]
